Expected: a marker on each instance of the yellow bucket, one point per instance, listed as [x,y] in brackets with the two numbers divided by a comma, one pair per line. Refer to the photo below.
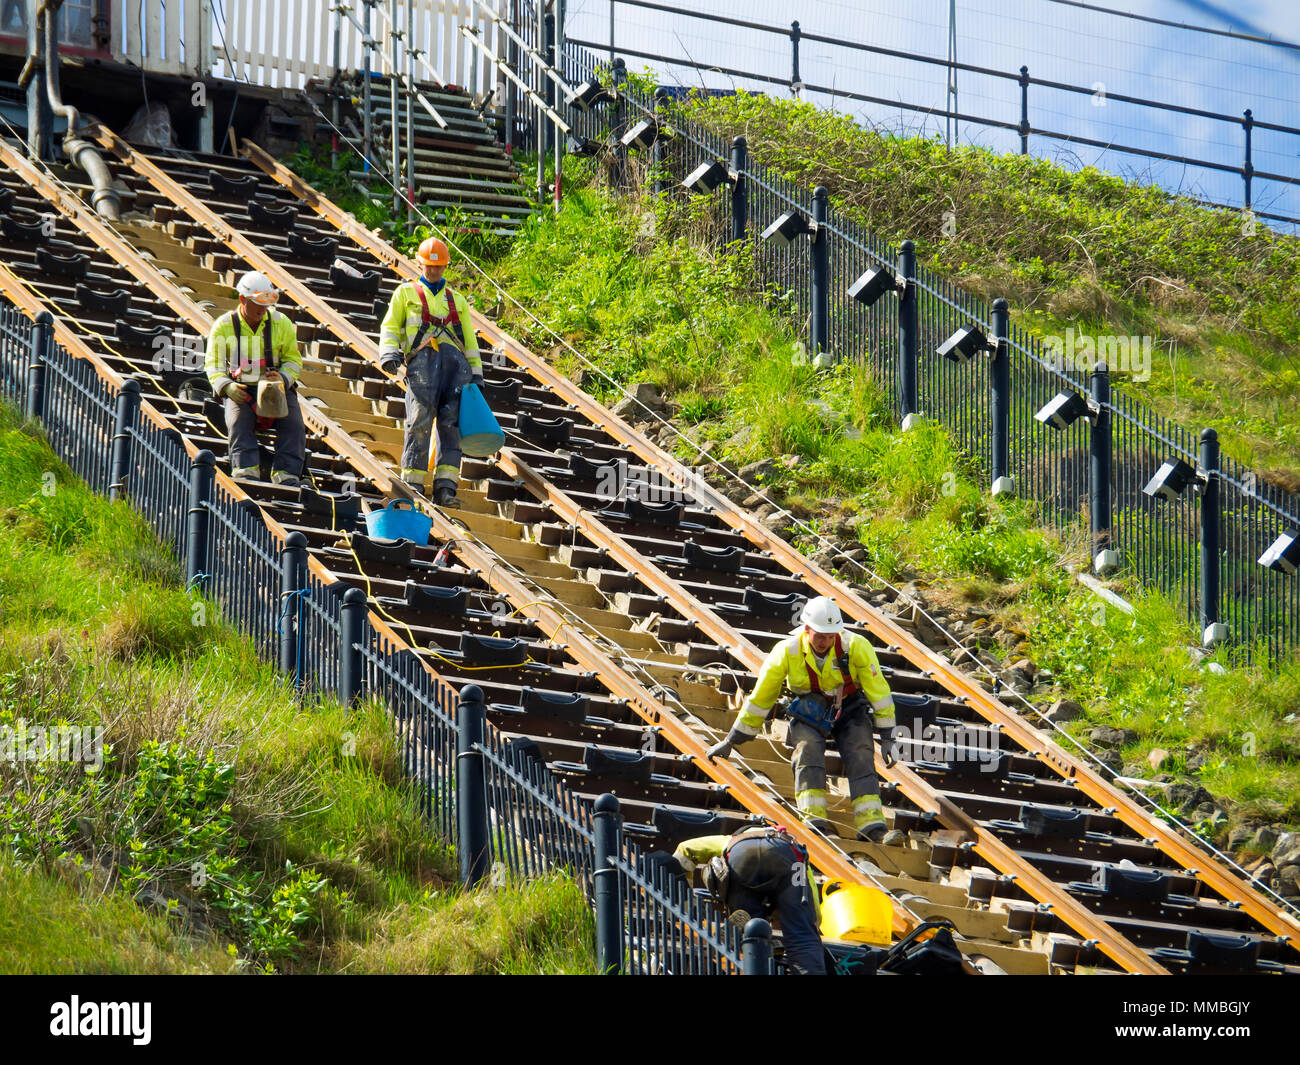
[857,913]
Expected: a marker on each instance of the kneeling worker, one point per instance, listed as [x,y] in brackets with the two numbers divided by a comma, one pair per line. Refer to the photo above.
[248,347]
[428,329]
[834,675]
[758,872]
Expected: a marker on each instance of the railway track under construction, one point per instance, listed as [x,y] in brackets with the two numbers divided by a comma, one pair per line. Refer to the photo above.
[612,605]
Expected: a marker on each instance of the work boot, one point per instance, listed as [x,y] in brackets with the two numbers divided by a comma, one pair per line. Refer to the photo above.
[286,480]
[872,834]
[246,473]
[446,497]
[822,825]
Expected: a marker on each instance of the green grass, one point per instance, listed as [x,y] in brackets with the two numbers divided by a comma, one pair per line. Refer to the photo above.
[49,925]
[1079,249]
[260,831]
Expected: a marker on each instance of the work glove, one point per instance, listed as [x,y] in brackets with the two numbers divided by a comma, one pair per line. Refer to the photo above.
[723,748]
[234,390]
[390,363]
[888,749]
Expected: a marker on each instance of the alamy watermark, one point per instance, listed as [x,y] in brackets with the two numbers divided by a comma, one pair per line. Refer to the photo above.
[648,484]
[950,743]
[1086,352]
[56,743]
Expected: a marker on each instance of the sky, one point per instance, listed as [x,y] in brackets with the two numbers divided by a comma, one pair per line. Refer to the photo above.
[1104,53]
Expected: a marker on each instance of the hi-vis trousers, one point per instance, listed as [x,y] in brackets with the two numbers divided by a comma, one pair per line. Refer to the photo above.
[857,752]
[434,379]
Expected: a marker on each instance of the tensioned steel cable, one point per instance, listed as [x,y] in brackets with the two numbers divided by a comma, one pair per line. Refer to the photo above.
[824,543]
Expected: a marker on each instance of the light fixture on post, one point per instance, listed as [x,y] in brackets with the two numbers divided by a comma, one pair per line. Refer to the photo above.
[589,94]
[1171,481]
[707,178]
[965,344]
[642,135]
[1063,410]
[875,283]
[788,226]
[1284,553]
[583,145]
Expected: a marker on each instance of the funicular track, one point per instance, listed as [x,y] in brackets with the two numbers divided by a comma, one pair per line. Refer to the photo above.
[579,566]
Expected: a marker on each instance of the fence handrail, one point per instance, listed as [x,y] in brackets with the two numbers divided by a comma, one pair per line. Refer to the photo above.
[785,31]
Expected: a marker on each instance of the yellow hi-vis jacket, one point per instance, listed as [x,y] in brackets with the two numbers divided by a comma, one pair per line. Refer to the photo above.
[405,315]
[225,355]
[790,664]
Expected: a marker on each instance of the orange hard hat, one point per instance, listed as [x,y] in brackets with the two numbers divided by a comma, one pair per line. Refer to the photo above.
[433,252]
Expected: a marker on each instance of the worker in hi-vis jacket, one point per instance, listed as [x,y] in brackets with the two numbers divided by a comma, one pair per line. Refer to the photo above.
[760,872]
[428,331]
[838,689]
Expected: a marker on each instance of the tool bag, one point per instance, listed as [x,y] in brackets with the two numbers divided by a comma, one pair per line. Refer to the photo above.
[272,402]
[267,404]
[936,956]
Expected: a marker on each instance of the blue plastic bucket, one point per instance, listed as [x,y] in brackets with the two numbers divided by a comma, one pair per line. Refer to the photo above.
[400,520]
[480,435]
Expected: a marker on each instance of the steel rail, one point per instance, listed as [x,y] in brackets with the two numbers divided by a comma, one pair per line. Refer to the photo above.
[1034,742]
[1002,857]
[530,601]
[200,213]
[1073,913]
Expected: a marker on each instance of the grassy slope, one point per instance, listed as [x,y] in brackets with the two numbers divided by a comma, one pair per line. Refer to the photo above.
[1082,249]
[313,859]
[626,284]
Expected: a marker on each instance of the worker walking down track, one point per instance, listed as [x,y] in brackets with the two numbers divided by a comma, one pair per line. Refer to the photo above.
[838,689]
[427,330]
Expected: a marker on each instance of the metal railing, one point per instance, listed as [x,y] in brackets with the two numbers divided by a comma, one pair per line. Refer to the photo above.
[507,814]
[992,421]
[1019,123]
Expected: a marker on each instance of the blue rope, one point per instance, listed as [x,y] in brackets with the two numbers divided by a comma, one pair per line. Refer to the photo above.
[196,580]
[300,594]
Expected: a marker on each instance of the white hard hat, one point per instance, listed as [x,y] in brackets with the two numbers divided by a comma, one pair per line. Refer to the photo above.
[255,286]
[822,615]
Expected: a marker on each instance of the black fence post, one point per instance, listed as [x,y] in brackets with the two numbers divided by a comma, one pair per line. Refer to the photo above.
[198,517]
[796,82]
[1000,400]
[293,560]
[821,289]
[1211,631]
[660,145]
[739,188]
[512,61]
[1247,168]
[756,948]
[42,340]
[1024,110]
[607,823]
[618,72]
[471,792]
[1104,559]
[352,617]
[907,332]
[128,407]
[548,54]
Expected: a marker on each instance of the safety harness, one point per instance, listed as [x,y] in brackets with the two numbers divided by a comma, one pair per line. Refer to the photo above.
[267,349]
[449,323]
[818,709]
